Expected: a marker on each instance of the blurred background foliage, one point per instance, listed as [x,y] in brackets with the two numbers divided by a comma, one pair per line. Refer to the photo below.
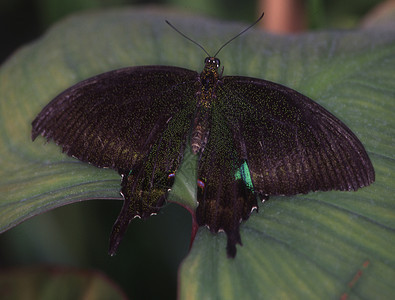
[23,20]
[156,248]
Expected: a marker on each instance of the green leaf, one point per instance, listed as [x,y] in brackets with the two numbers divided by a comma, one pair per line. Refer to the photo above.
[52,283]
[307,246]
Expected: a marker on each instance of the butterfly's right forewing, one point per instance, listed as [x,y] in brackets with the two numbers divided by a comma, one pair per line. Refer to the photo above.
[292,144]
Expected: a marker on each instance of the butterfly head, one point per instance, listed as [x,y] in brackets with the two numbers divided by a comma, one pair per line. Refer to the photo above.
[212,63]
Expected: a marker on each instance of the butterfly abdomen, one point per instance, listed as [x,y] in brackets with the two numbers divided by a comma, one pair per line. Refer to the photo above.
[200,131]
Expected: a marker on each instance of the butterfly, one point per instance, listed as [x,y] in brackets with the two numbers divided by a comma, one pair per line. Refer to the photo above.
[253,139]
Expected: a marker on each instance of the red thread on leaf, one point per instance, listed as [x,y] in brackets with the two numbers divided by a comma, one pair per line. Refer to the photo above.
[354,280]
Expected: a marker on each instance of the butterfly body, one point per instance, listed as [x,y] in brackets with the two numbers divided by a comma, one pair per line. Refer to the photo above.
[206,93]
[140,120]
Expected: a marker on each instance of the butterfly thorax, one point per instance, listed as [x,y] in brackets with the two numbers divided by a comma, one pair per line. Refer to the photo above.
[208,82]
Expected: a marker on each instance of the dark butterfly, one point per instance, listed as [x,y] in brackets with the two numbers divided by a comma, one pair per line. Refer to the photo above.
[140,120]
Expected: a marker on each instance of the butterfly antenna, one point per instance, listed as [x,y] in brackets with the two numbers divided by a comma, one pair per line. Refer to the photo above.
[188,38]
[201,47]
[252,25]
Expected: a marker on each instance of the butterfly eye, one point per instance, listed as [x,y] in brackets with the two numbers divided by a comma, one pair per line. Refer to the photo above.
[212,61]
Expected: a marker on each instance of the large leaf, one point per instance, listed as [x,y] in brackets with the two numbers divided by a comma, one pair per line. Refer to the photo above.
[308,246]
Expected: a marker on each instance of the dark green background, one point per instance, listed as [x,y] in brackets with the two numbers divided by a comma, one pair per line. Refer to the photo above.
[23,20]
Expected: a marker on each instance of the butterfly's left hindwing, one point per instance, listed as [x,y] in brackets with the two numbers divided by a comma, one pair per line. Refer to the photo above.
[135,120]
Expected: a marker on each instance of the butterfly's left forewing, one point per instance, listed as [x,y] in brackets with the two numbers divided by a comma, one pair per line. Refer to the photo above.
[112,120]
